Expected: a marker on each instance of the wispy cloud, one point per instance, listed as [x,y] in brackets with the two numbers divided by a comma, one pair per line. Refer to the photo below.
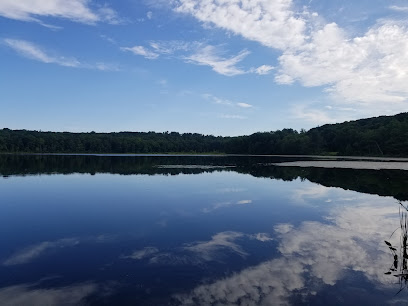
[32,51]
[199,252]
[143,253]
[74,10]
[140,50]
[222,101]
[162,48]
[30,294]
[32,252]
[35,52]
[244,105]
[209,56]
[226,204]
[262,70]
[399,8]
[224,240]
[169,47]
[314,115]
[198,53]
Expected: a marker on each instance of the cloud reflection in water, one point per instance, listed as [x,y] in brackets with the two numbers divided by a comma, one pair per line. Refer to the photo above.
[26,294]
[313,254]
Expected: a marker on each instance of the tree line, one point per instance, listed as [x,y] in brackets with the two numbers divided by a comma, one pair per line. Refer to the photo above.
[379,136]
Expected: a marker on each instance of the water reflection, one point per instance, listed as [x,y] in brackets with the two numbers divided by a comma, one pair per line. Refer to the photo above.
[314,258]
[231,231]
[399,251]
[32,252]
[218,248]
[30,294]
[226,204]
[384,182]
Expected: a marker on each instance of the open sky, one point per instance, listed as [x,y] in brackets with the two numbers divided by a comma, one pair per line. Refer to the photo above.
[221,67]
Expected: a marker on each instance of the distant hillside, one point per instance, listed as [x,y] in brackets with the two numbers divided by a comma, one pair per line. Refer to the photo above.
[385,135]
[380,136]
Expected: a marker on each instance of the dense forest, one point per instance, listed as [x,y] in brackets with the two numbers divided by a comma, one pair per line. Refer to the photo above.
[380,136]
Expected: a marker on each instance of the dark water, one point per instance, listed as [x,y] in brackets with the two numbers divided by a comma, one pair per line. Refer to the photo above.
[111,230]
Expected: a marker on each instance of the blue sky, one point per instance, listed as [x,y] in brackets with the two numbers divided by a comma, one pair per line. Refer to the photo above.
[221,67]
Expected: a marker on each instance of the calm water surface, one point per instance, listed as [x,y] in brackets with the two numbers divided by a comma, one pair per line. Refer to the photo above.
[150,230]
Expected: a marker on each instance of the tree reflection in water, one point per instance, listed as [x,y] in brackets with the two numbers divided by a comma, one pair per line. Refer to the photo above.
[399,266]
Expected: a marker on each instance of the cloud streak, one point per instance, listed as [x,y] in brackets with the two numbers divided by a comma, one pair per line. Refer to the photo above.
[140,50]
[199,252]
[198,53]
[33,51]
[27,294]
[209,56]
[222,101]
[74,10]
[33,252]
[226,204]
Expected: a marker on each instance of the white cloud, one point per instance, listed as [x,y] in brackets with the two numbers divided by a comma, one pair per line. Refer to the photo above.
[244,105]
[262,70]
[140,50]
[272,23]
[227,102]
[34,52]
[75,10]
[32,295]
[370,69]
[399,8]
[109,15]
[149,15]
[209,56]
[159,48]
[243,202]
[306,113]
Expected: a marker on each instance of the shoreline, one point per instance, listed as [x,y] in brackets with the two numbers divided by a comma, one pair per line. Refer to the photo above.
[319,157]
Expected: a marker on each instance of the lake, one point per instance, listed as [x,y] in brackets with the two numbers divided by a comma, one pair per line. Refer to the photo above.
[201,230]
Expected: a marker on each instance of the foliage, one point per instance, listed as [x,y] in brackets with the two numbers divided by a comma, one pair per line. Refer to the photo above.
[381,136]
